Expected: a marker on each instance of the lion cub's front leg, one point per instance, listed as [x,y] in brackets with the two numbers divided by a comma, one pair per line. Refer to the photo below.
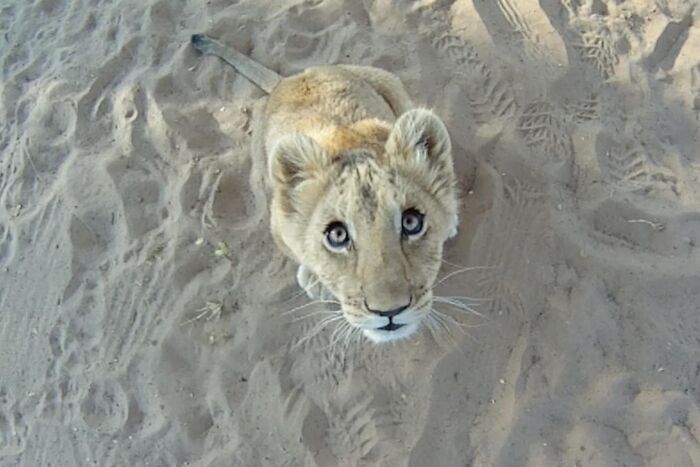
[455,228]
[311,284]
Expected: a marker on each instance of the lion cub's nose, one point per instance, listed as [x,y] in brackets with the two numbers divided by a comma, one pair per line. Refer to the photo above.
[388,313]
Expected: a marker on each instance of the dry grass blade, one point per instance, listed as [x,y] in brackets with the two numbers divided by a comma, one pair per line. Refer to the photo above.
[210,311]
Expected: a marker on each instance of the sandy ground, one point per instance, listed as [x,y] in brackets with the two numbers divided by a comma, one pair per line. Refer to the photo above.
[142,301]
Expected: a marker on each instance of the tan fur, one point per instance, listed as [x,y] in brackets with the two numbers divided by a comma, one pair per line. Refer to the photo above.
[345,144]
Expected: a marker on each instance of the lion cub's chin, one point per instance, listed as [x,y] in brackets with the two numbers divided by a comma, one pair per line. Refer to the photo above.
[378,336]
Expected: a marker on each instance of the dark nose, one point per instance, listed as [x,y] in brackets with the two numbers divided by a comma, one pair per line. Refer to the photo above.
[388,313]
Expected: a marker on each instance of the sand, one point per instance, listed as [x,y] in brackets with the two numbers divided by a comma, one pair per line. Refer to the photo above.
[142,301]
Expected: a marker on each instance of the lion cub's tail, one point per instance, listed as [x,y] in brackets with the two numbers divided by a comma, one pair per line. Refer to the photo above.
[262,77]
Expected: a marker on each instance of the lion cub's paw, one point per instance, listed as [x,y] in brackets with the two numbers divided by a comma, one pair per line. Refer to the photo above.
[311,284]
[455,228]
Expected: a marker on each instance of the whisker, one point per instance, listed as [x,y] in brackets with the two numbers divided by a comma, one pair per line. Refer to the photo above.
[335,336]
[315,302]
[463,297]
[438,317]
[460,271]
[449,263]
[294,295]
[459,305]
[316,329]
[342,339]
[325,321]
[301,292]
[443,330]
[431,328]
[469,312]
[447,319]
[451,320]
[314,313]
[346,341]
[358,337]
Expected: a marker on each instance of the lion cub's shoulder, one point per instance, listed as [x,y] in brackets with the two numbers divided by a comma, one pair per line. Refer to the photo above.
[341,107]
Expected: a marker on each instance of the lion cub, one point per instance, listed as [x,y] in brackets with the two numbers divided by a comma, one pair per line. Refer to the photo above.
[363,189]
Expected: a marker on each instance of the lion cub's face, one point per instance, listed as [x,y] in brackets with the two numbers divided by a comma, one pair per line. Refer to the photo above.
[370,226]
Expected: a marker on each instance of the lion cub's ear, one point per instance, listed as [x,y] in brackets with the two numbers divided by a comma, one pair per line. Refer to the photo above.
[420,137]
[297,158]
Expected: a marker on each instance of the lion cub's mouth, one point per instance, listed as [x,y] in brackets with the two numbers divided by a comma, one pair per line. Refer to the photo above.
[392,326]
[380,329]
[390,332]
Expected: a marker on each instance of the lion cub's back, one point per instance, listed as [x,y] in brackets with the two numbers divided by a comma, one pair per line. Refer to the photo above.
[326,95]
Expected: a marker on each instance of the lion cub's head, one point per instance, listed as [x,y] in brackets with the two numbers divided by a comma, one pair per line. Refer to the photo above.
[370,224]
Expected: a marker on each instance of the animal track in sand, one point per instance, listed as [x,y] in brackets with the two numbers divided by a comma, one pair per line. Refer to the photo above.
[94,107]
[91,238]
[198,128]
[323,43]
[6,243]
[653,426]
[59,400]
[34,161]
[233,200]
[105,407]
[161,19]
[13,429]
[140,195]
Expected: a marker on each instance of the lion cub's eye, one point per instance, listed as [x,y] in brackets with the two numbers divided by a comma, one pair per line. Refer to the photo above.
[412,223]
[337,236]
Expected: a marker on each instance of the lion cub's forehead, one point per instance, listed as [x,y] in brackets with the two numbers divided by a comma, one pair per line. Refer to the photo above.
[364,186]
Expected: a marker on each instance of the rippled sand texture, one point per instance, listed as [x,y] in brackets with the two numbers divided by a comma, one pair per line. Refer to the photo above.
[142,303]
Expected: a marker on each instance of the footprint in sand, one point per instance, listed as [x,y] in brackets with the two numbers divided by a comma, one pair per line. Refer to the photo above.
[6,243]
[105,407]
[140,195]
[626,422]
[13,429]
[546,133]
[486,94]
[351,432]
[35,161]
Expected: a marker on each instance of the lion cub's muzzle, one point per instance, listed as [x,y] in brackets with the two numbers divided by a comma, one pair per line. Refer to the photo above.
[389,313]
[389,323]
[391,326]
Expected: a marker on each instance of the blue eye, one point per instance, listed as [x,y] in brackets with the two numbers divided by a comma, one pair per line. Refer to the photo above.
[412,222]
[337,236]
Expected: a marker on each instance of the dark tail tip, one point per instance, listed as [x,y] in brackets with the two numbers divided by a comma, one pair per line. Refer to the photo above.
[200,42]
